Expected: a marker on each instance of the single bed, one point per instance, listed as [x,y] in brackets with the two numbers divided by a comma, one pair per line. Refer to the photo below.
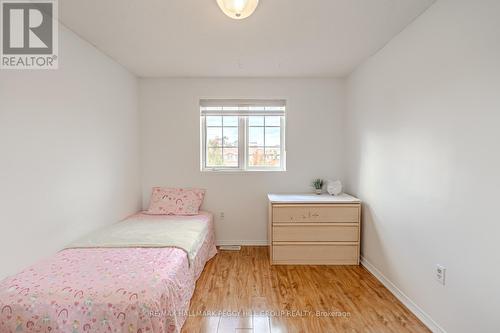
[107,289]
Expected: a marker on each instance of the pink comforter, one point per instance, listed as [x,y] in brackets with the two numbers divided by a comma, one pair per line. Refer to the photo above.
[135,290]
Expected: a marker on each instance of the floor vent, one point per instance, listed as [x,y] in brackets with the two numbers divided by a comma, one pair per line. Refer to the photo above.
[230,247]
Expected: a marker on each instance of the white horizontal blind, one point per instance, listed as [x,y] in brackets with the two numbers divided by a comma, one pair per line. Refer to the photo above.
[228,107]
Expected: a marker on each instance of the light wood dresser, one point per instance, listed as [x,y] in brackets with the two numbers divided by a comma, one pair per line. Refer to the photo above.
[311,229]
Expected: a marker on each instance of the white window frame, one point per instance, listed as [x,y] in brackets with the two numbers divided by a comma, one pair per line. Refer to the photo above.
[243,146]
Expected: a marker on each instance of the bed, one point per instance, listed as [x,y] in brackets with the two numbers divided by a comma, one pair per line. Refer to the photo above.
[135,288]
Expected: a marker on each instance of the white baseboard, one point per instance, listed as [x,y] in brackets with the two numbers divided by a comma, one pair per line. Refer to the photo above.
[242,242]
[414,308]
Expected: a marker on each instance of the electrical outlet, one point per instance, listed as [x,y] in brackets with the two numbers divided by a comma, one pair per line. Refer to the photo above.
[440,274]
[222,215]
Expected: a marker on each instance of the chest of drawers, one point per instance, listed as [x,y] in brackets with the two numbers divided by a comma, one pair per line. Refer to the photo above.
[314,229]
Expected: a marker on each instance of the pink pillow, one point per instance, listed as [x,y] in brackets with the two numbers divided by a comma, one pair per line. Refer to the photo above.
[175,201]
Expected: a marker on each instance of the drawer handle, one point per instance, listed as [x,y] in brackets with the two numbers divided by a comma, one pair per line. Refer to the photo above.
[315,215]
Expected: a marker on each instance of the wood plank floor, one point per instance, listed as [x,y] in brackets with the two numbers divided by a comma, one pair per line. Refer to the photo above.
[242,292]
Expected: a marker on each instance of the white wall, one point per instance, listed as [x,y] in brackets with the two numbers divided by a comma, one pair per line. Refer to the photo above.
[69,148]
[171,145]
[424,156]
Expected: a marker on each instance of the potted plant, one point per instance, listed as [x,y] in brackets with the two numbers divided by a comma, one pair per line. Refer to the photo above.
[318,185]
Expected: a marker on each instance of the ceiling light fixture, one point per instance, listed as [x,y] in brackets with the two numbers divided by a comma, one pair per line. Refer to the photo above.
[238,9]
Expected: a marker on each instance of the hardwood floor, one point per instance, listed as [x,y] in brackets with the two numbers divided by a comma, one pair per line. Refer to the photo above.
[242,292]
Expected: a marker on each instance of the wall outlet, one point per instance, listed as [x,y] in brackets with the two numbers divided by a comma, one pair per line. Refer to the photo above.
[440,274]
[222,215]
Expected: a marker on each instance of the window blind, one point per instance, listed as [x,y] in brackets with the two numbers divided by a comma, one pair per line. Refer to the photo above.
[228,107]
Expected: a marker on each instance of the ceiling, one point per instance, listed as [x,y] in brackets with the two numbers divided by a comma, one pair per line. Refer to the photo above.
[283,38]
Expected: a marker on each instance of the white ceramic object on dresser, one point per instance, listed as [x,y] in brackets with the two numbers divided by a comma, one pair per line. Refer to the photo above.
[309,229]
[334,187]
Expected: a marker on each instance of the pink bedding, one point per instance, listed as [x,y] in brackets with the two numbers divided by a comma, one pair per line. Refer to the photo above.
[135,290]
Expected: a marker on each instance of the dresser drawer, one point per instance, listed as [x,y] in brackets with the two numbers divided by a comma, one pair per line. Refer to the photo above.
[315,213]
[315,254]
[317,232]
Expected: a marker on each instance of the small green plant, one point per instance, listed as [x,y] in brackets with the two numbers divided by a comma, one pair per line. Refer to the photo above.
[318,183]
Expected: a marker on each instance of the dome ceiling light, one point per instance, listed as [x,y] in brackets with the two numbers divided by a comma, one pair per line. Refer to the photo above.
[238,9]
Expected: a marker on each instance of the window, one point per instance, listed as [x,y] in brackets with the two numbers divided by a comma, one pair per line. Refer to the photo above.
[244,135]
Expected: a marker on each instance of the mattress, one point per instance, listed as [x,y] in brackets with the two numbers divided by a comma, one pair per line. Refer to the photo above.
[135,290]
